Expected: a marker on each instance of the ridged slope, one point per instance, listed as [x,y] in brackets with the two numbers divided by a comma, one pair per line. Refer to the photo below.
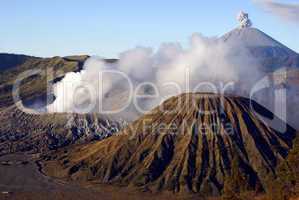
[167,150]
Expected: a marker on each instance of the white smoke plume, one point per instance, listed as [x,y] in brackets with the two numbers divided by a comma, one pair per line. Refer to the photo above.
[286,11]
[72,90]
[244,20]
[206,59]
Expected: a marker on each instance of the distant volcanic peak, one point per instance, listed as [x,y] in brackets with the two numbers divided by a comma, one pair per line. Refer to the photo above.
[267,52]
[246,36]
[251,37]
[174,151]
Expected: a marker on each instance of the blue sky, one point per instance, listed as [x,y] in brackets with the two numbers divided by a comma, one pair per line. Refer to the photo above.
[105,28]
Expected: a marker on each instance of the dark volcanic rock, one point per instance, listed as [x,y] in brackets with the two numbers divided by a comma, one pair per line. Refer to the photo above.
[20,131]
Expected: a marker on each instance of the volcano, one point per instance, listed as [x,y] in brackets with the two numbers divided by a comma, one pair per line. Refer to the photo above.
[190,143]
[270,53]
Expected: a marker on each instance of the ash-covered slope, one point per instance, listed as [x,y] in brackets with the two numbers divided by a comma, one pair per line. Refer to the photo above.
[188,144]
[36,133]
[269,52]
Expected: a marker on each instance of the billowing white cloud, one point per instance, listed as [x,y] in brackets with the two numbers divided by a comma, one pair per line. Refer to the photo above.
[206,59]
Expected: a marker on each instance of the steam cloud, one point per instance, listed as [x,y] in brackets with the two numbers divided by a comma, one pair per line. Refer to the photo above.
[285,11]
[206,59]
[244,20]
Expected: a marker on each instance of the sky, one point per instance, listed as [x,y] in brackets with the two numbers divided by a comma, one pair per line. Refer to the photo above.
[106,28]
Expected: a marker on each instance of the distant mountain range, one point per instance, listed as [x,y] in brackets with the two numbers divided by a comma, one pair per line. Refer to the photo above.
[9,61]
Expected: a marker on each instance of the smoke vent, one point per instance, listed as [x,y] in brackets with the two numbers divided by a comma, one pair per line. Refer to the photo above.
[244,20]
